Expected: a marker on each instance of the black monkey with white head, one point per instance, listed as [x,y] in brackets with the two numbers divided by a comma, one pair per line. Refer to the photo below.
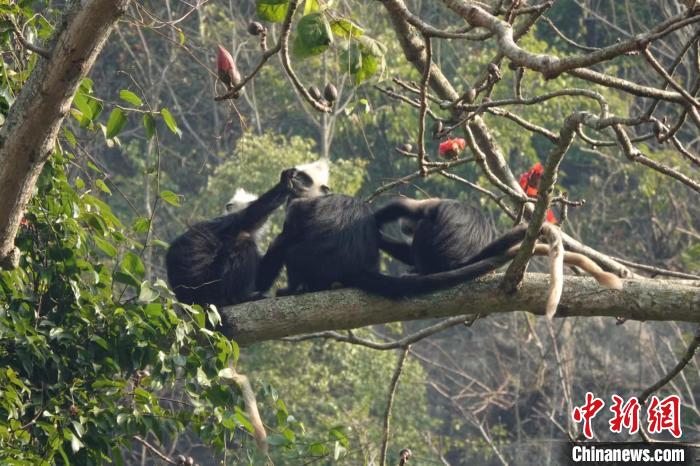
[216,261]
[335,239]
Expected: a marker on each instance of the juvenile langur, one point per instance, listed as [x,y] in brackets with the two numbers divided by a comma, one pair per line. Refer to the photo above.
[216,261]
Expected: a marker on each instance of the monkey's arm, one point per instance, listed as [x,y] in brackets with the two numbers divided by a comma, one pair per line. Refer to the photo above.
[397,249]
[257,212]
[271,264]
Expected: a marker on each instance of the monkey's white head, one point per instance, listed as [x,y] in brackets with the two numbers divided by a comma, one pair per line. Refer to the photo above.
[312,179]
[239,201]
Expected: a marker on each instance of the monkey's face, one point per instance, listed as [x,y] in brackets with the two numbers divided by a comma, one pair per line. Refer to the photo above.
[307,181]
[303,185]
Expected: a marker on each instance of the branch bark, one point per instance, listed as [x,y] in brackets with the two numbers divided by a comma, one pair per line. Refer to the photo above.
[29,134]
[641,299]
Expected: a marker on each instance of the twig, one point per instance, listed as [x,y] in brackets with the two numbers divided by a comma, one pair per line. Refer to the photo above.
[402,343]
[25,43]
[389,403]
[656,270]
[492,196]
[669,79]
[412,176]
[153,449]
[687,357]
[636,156]
[569,41]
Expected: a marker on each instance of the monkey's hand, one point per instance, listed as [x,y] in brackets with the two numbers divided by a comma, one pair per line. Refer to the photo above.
[287,178]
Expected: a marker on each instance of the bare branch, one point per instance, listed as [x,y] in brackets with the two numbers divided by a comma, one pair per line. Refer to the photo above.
[687,357]
[403,342]
[390,402]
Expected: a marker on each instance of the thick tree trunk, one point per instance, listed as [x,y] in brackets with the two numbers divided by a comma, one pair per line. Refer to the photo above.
[641,299]
[29,133]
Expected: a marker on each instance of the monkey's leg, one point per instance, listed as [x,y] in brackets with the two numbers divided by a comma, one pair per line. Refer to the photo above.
[404,208]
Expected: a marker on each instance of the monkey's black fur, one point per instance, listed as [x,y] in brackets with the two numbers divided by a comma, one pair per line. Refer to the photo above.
[216,261]
[335,239]
[447,234]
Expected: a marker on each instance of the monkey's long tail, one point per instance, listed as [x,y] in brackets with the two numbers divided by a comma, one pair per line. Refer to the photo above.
[556,267]
[251,407]
[411,285]
[557,258]
[605,279]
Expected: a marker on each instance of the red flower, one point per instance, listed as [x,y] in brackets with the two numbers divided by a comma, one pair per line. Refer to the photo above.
[530,182]
[550,216]
[451,148]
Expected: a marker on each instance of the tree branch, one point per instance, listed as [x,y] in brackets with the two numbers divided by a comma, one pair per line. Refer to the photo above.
[641,299]
[390,402]
[29,133]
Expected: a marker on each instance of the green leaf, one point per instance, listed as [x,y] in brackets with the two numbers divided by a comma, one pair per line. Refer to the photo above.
[102,186]
[105,246]
[115,123]
[86,85]
[132,265]
[170,121]
[141,225]
[364,59]
[81,103]
[313,35]
[371,65]
[170,197]
[272,10]
[126,279]
[371,47]
[338,434]
[311,6]
[130,97]
[70,137]
[150,125]
[95,107]
[346,28]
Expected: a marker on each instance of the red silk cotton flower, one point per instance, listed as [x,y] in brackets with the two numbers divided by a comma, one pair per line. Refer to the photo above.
[451,148]
[530,182]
